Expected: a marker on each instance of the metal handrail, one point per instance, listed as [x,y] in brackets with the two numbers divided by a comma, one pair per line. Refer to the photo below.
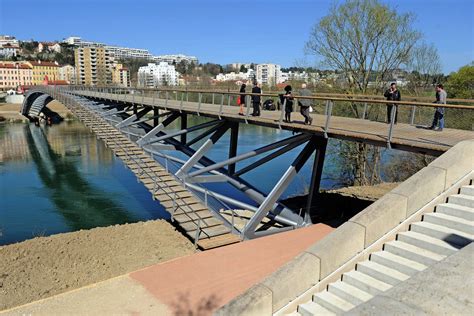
[322,97]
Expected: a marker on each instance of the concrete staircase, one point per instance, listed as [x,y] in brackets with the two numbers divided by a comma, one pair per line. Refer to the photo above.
[438,235]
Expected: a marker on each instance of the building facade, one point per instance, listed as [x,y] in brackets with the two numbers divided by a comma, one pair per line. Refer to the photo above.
[93,66]
[120,76]
[7,39]
[155,75]
[15,74]
[175,59]
[51,46]
[44,71]
[268,74]
[9,50]
[68,74]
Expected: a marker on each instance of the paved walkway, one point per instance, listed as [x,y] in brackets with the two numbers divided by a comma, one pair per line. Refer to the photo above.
[200,282]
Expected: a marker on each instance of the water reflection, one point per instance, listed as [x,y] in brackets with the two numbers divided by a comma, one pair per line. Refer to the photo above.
[61,179]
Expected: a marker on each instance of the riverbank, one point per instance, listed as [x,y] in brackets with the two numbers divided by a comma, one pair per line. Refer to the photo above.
[46,266]
[11,112]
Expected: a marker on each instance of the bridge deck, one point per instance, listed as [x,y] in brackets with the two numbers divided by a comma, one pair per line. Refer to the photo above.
[191,215]
[405,136]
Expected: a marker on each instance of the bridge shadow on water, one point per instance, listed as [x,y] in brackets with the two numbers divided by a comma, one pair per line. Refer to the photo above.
[82,205]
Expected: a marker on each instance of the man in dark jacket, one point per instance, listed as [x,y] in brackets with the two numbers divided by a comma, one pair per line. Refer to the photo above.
[256,99]
[392,94]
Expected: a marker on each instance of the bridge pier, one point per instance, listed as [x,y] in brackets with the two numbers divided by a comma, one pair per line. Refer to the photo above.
[234,137]
[317,172]
[184,125]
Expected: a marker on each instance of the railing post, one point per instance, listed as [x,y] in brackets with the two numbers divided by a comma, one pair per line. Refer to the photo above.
[328,112]
[221,106]
[248,107]
[364,113]
[282,112]
[213,99]
[166,100]
[181,103]
[413,110]
[390,129]
[199,103]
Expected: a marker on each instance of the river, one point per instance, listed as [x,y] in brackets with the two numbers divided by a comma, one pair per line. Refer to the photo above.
[61,178]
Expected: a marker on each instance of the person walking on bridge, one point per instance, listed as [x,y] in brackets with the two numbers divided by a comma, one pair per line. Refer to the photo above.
[287,101]
[242,98]
[256,99]
[441,96]
[392,94]
[305,104]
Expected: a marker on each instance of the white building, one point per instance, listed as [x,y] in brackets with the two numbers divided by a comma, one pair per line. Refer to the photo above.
[7,39]
[115,51]
[67,73]
[175,59]
[51,46]
[155,75]
[232,76]
[269,74]
[9,50]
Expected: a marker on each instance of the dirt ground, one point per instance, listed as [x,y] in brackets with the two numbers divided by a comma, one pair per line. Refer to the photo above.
[11,112]
[46,266]
[371,193]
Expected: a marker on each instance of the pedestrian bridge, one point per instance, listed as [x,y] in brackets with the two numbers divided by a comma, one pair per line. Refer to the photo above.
[133,123]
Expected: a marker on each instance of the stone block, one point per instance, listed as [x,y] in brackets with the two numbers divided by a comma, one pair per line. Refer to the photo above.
[458,161]
[255,301]
[293,279]
[381,216]
[338,247]
[421,188]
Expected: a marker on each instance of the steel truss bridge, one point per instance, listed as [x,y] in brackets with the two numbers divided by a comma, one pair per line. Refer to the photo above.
[135,123]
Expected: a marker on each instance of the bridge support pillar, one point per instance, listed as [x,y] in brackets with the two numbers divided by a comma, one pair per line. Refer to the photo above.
[315,178]
[184,125]
[234,137]
[155,115]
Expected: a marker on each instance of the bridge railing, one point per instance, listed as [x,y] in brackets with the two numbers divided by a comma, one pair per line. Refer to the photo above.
[327,106]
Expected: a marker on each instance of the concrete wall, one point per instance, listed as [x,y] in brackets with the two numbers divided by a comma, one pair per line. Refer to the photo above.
[329,254]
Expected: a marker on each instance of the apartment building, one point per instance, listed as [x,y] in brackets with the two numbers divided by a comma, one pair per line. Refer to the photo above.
[44,71]
[13,74]
[175,59]
[268,74]
[9,50]
[120,76]
[67,73]
[93,66]
[155,75]
[7,39]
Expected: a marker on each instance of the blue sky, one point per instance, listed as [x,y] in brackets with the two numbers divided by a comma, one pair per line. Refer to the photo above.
[224,31]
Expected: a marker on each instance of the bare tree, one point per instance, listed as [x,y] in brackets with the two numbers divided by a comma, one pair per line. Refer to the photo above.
[366,40]
[424,67]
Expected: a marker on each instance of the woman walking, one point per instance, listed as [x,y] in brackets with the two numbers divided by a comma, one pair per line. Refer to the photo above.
[288,104]
[242,99]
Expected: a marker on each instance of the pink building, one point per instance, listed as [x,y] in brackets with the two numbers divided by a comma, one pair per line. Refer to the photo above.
[14,74]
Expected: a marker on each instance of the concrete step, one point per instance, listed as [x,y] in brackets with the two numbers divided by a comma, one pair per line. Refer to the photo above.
[456,210]
[426,242]
[453,222]
[462,199]
[349,292]
[468,190]
[413,253]
[295,313]
[365,283]
[311,308]
[332,302]
[399,263]
[447,234]
[381,272]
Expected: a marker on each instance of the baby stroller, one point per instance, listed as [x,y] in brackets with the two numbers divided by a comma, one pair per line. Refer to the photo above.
[268,105]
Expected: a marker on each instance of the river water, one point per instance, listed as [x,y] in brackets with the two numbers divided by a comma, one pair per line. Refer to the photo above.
[61,179]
